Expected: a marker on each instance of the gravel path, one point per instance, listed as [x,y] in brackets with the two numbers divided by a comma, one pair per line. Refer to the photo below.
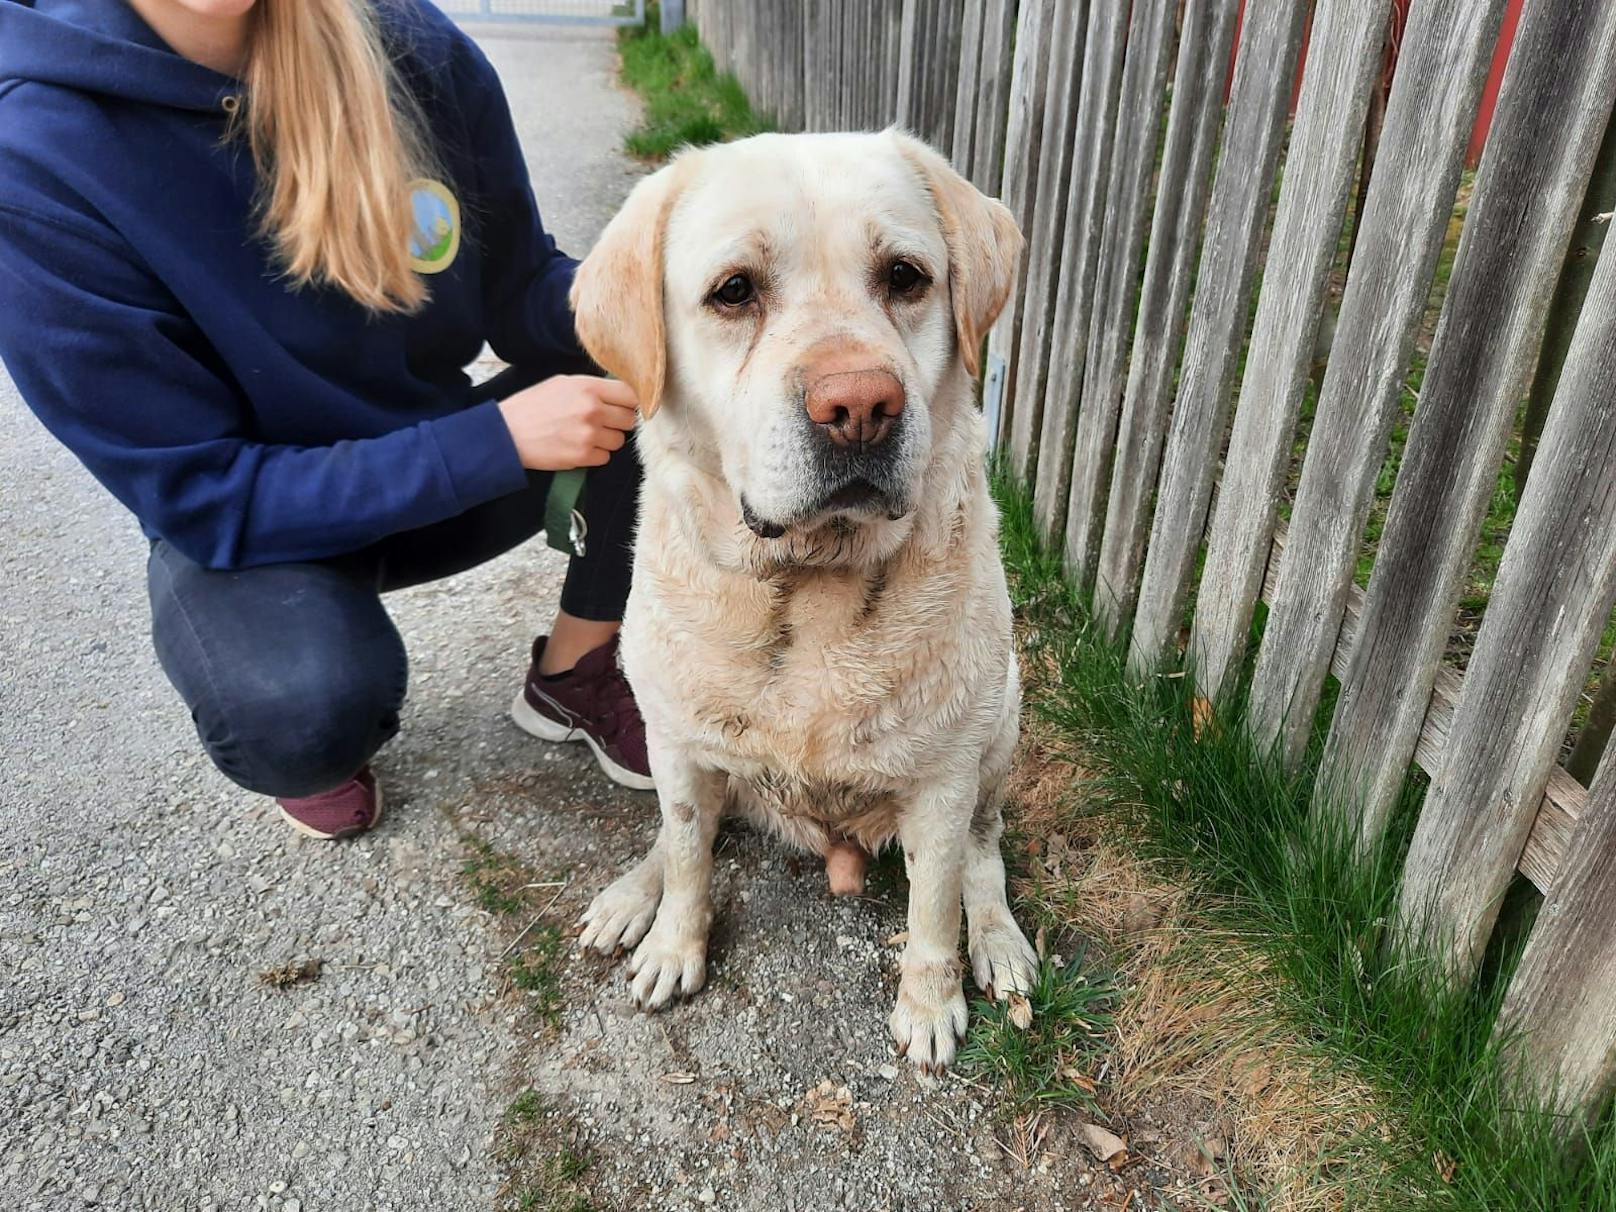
[143,1064]
[452,1053]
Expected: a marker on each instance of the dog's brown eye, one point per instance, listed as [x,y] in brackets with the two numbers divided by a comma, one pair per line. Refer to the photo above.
[736,291]
[904,277]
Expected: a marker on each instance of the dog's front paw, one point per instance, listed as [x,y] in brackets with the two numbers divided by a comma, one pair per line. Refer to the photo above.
[929,1020]
[623,911]
[668,964]
[1002,960]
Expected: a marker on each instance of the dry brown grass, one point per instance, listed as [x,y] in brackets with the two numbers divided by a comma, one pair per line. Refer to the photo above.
[1198,1016]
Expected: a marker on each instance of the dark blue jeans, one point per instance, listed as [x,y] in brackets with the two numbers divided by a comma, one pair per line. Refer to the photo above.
[295,673]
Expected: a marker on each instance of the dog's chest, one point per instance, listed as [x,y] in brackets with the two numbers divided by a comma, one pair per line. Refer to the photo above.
[818,681]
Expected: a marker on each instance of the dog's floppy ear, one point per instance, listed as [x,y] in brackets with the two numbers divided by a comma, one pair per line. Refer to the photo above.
[984,246]
[617,295]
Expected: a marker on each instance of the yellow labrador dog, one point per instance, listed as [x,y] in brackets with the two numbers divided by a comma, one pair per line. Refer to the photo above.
[819,629]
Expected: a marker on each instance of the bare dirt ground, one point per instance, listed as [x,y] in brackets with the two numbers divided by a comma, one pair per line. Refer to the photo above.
[200,1010]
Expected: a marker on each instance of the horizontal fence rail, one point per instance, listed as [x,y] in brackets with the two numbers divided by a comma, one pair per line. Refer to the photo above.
[1223,319]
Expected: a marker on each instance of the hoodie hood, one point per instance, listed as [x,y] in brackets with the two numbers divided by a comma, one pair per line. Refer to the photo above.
[101,46]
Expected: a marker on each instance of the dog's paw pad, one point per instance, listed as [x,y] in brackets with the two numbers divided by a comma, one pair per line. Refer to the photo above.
[929,1020]
[1003,961]
[665,968]
[619,917]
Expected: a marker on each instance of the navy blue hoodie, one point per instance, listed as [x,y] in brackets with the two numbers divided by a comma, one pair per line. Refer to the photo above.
[146,325]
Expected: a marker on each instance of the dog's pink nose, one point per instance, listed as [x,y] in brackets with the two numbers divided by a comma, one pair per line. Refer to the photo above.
[855,407]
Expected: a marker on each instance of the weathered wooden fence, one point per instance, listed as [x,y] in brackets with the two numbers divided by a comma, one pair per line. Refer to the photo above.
[1148,379]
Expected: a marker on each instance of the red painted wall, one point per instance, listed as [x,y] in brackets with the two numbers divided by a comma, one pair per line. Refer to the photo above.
[1489,97]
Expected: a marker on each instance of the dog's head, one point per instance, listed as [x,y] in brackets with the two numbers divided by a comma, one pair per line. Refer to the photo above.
[794,306]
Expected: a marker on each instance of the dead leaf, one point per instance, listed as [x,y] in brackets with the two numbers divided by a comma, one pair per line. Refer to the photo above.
[286,975]
[1079,1080]
[831,1107]
[898,939]
[1041,943]
[679,1079]
[1200,715]
[1020,1011]
[1106,1146]
[1446,1167]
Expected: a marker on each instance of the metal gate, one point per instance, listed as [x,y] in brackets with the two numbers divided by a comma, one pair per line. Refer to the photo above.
[570,12]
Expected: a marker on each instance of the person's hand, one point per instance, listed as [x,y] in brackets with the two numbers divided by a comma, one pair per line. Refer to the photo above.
[569,421]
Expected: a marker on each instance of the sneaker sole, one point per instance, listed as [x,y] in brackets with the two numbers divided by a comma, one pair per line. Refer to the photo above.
[310,831]
[546,729]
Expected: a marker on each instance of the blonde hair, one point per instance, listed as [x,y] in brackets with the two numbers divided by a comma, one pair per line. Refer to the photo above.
[337,140]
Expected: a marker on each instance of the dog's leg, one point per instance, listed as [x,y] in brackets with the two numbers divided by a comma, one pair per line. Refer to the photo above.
[620,914]
[1002,962]
[929,1019]
[672,959]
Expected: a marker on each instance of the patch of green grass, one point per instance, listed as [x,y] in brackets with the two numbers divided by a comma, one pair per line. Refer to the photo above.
[687,101]
[1048,1062]
[495,879]
[536,970]
[546,1174]
[526,1109]
[502,885]
[1240,831]
[542,1198]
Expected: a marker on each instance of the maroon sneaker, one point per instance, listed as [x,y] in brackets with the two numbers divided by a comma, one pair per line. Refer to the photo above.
[591,702]
[345,811]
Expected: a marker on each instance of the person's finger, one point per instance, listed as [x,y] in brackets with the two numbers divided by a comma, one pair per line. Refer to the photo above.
[611,439]
[594,457]
[614,416]
[615,391]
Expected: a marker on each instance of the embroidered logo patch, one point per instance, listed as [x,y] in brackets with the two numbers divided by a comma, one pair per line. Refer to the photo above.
[437,227]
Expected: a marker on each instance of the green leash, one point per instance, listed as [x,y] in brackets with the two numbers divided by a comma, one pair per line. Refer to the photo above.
[564,526]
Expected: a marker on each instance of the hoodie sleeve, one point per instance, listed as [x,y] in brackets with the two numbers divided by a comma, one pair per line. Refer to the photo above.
[526,277]
[121,376]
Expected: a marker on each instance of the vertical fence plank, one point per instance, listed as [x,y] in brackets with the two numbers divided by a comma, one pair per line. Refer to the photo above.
[847,51]
[768,57]
[1064,48]
[847,70]
[1252,136]
[1551,114]
[911,64]
[941,102]
[716,33]
[788,27]
[927,76]
[965,94]
[993,94]
[1442,64]
[1559,1009]
[816,63]
[1023,138]
[744,45]
[867,69]
[1103,369]
[1343,63]
[891,15]
[1175,241]
[1549,604]
[1052,370]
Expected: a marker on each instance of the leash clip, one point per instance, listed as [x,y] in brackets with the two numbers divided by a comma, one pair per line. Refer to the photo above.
[578,530]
